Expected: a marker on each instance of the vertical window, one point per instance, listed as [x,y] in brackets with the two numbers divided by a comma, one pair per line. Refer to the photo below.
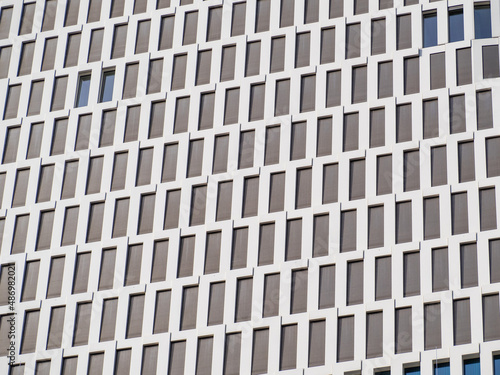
[266,244]
[243,308]
[5,53]
[272,151]
[411,75]
[461,321]
[298,298]
[354,291]
[212,252]
[333,88]
[321,235]
[411,274]
[162,311]
[12,102]
[353,40]
[107,83]
[326,286]
[166,32]
[378,36]
[385,80]
[189,307]
[216,303]
[487,204]
[302,49]
[262,17]
[327,45]
[374,334]
[82,97]
[30,329]
[238,19]
[224,200]
[357,179]
[383,278]
[459,213]
[472,366]
[252,61]
[287,13]
[359,84]
[482,21]
[232,353]
[464,66]
[277,54]
[375,226]
[203,357]
[468,265]
[490,62]
[429,26]
[228,62]
[411,170]
[455,25]
[403,330]
[271,290]
[348,231]
[257,102]
[214,23]
[438,70]
[239,249]
[491,317]
[330,183]
[345,338]
[403,26]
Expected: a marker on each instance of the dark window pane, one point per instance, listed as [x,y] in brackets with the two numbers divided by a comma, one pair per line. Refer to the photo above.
[430,29]
[482,21]
[456,25]
[83,91]
[108,80]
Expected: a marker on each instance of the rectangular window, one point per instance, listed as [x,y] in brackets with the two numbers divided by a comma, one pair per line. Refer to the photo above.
[36,96]
[277,192]
[239,249]
[484,110]
[487,210]
[307,93]
[345,338]
[30,329]
[203,67]
[432,326]
[30,281]
[94,11]
[303,188]
[94,228]
[490,62]
[5,54]
[120,220]
[82,97]
[257,102]
[55,277]
[282,98]
[326,287]
[243,303]
[166,32]
[20,187]
[464,66]
[459,213]
[162,311]
[130,80]
[224,200]
[179,72]
[277,54]
[411,274]
[262,16]
[466,170]
[287,13]
[377,127]
[135,316]
[491,317]
[359,84]
[232,106]
[271,290]
[119,41]
[81,273]
[44,237]
[107,270]
[431,218]
[378,36]
[107,83]
[348,231]
[327,54]
[293,239]
[198,205]
[461,321]
[250,196]
[82,324]
[468,265]
[177,358]
[354,283]
[324,136]
[375,226]
[317,333]
[472,366]
[45,183]
[54,336]
[403,330]
[298,297]
[403,222]
[457,114]
[252,61]
[385,80]
[438,70]
[142,37]
[374,334]
[411,75]
[455,25]
[11,144]
[189,307]
[220,154]
[411,170]
[383,278]
[70,226]
[351,131]
[429,26]
[216,303]
[20,234]
[482,21]
[403,26]
[204,356]
[321,235]
[228,63]
[246,149]
[430,118]
[288,352]
[238,19]
[195,158]
[357,176]
[353,40]
[214,23]
[330,183]
[26,58]
[146,213]
[302,49]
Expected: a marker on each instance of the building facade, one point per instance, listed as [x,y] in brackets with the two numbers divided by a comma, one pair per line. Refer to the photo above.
[249,187]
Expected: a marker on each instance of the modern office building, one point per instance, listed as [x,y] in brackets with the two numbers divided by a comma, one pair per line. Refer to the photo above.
[250,187]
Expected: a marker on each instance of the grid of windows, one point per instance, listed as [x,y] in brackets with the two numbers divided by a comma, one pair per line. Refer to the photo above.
[229,223]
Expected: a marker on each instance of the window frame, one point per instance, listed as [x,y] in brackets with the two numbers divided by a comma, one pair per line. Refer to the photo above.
[82,78]
[103,96]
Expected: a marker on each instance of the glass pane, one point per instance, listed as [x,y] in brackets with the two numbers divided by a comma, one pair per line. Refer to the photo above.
[472,367]
[108,80]
[83,91]
[482,21]
[442,369]
[496,365]
[456,25]
[412,371]
[430,30]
